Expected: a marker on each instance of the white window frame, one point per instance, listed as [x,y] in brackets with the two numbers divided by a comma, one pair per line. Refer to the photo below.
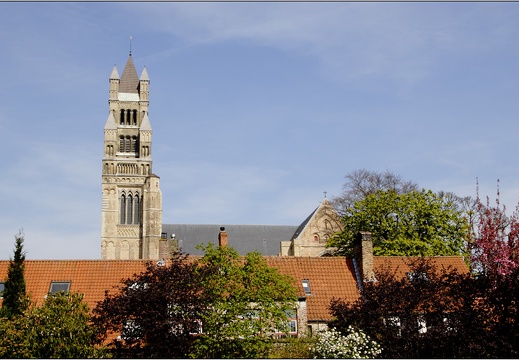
[59,283]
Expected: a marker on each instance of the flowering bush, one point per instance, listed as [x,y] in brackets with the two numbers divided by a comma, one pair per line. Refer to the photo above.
[331,344]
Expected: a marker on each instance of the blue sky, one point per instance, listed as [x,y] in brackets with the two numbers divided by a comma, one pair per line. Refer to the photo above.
[256,108]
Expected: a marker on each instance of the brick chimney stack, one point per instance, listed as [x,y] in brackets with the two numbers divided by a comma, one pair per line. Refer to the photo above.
[222,237]
[363,252]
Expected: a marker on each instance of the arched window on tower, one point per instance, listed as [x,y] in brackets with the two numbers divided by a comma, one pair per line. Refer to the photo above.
[129,210]
[128,116]
[134,117]
[137,209]
[121,115]
[122,209]
[135,147]
[128,144]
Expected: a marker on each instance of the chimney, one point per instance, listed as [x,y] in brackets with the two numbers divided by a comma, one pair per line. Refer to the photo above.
[222,237]
[363,252]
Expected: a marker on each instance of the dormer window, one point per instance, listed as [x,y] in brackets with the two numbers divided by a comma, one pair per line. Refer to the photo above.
[57,286]
[306,286]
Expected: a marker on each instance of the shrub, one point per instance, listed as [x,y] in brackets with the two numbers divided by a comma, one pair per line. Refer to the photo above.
[355,344]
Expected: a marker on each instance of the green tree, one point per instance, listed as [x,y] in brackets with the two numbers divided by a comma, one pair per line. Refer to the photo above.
[409,224]
[248,303]
[13,343]
[156,313]
[15,300]
[59,328]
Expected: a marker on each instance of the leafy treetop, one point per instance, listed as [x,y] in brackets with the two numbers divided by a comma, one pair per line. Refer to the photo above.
[415,223]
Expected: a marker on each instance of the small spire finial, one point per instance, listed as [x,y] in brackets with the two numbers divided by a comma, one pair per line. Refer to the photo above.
[325,192]
[130,45]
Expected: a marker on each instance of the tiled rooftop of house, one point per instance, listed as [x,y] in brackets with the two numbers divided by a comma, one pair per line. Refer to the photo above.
[326,277]
[400,263]
[89,277]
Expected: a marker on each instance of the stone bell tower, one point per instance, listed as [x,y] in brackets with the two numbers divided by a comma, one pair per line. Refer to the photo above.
[132,202]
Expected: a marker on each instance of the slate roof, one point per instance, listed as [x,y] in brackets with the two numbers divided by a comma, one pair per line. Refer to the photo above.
[129,81]
[301,227]
[243,238]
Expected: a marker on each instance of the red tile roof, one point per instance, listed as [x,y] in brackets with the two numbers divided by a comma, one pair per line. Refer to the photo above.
[328,277]
[401,263]
[89,277]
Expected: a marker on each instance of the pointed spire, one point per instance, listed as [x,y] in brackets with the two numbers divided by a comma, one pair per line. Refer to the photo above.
[110,122]
[144,75]
[145,124]
[114,74]
[129,80]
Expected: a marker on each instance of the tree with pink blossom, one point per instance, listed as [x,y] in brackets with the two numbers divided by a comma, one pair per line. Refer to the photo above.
[495,243]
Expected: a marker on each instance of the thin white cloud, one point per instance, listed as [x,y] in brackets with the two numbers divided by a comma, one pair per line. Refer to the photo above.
[351,40]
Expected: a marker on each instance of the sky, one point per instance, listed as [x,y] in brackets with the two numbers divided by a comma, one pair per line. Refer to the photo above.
[257,109]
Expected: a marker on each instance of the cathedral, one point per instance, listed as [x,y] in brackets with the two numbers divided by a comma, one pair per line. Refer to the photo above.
[132,225]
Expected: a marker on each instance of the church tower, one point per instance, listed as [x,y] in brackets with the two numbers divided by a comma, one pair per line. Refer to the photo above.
[132,202]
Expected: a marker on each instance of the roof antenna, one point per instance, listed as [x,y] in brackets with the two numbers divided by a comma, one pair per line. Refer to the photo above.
[130,45]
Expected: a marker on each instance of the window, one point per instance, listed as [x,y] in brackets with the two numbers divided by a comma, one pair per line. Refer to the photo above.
[292,321]
[422,324]
[134,144]
[129,209]
[136,210]
[410,323]
[134,117]
[2,287]
[306,286]
[131,331]
[414,276]
[290,328]
[128,116]
[129,144]
[57,286]
[129,212]
[196,328]
[122,217]
[394,322]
